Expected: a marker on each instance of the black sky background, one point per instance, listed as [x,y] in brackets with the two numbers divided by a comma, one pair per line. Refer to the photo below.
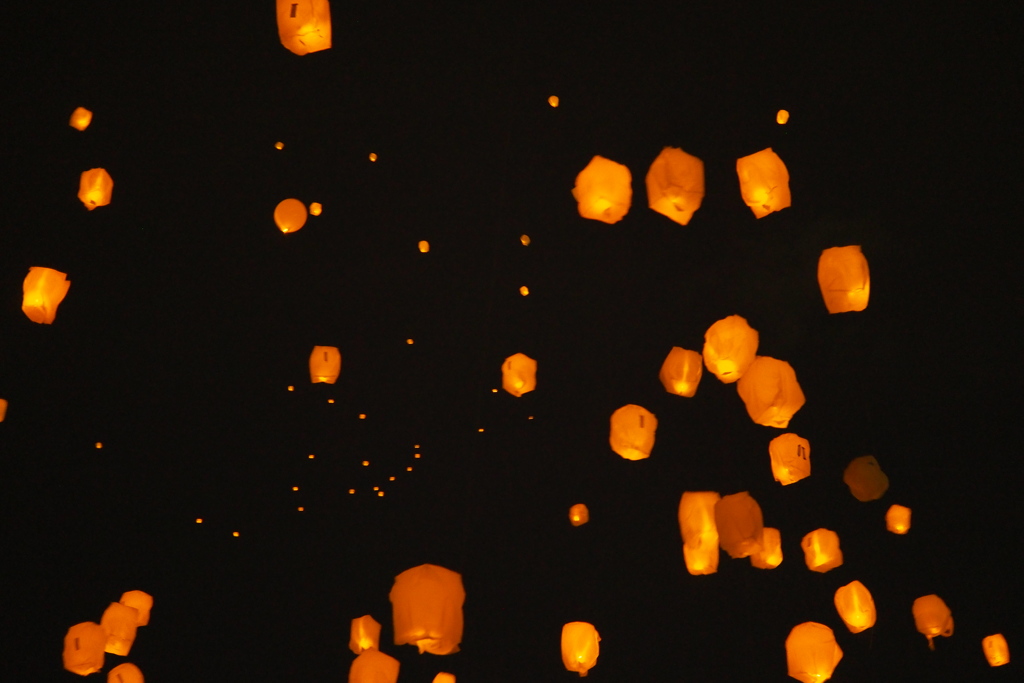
[189,314]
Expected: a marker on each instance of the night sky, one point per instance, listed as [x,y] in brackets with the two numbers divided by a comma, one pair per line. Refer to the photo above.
[190,314]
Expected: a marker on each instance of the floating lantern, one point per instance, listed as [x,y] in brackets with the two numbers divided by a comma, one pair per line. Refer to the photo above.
[580,646]
[84,645]
[770,554]
[519,374]
[553,100]
[791,458]
[932,618]
[603,190]
[125,673]
[675,184]
[844,279]
[730,346]
[142,602]
[680,373]
[119,623]
[579,514]
[3,409]
[304,25]
[278,145]
[290,215]
[424,246]
[897,519]
[324,364]
[770,392]
[632,432]
[740,524]
[700,535]
[444,678]
[427,609]
[856,607]
[364,634]
[80,118]
[997,652]
[764,182]
[316,208]
[782,117]
[524,239]
[812,652]
[865,478]
[43,290]
[373,666]
[821,550]
[95,188]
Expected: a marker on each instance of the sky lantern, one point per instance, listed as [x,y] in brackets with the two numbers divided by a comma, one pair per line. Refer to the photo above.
[603,190]
[680,373]
[865,478]
[423,246]
[84,645]
[812,652]
[95,187]
[764,182]
[364,634]
[897,519]
[373,666]
[304,25]
[119,623]
[700,535]
[997,652]
[519,374]
[782,117]
[791,458]
[3,409]
[932,618]
[821,550]
[125,673]
[730,346]
[444,678]
[856,607]
[740,524]
[427,609]
[324,364]
[43,289]
[770,392]
[770,554]
[632,432]
[290,215]
[80,118]
[316,208]
[580,646]
[675,184]
[142,602]
[844,279]
[579,514]
[553,100]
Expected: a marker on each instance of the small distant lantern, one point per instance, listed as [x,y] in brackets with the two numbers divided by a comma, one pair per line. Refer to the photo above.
[740,524]
[865,478]
[856,607]
[364,634]
[680,373]
[80,118]
[897,519]
[770,392]
[764,182]
[444,678]
[278,145]
[791,458]
[125,673]
[821,550]
[3,409]
[632,432]
[427,609]
[553,100]
[142,602]
[675,184]
[324,364]
[700,535]
[524,239]
[770,554]
[424,246]
[603,190]
[997,652]
[95,188]
[782,117]
[316,208]
[932,618]
[580,646]
[844,279]
[812,652]
[373,666]
[119,623]
[304,26]
[290,215]
[579,514]
[730,346]
[43,289]
[519,374]
[84,645]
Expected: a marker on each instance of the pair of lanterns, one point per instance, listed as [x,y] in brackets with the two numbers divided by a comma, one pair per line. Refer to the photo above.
[734,523]
[86,643]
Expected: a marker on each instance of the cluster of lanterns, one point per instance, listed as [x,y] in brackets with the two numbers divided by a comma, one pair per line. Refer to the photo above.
[85,644]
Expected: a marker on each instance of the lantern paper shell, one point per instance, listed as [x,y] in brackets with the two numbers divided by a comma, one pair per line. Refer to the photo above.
[680,373]
[290,215]
[119,623]
[764,182]
[791,458]
[324,364]
[730,346]
[84,646]
[856,607]
[580,646]
[427,609]
[782,117]
[603,190]
[373,666]
[821,550]
[770,554]
[812,652]
[675,184]
[365,634]
[844,279]
[80,118]
[95,188]
[997,652]
[932,618]
[740,524]
[519,374]
[579,514]
[43,290]
[700,535]
[142,602]
[444,678]
[304,25]
[3,409]
[897,519]
[770,392]
[125,673]
[632,432]
[865,478]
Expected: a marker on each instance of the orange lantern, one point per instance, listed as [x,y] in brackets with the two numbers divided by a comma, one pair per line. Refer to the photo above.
[519,374]
[770,554]
[812,652]
[80,118]
[3,409]
[632,432]
[603,190]
[730,346]
[770,392]
[423,246]
[675,184]
[844,279]
[43,290]
[997,652]
[932,618]
[764,182]
[821,550]
[304,25]
[791,458]
[316,208]
[364,634]
[444,678]
[95,188]
[782,117]
[579,514]
[740,524]
[865,478]
[142,602]
[700,535]
[427,609]
[290,215]
[856,607]
[373,666]
[125,673]
[580,646]
[324,364]
[681,371]
[84,645]
[119,623]
[897,519]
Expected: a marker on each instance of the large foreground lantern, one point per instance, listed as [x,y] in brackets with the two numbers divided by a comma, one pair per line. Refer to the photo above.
[997,652]
[844,279]
[932,618]
[84,646]
[740,524]
[290,215]
[580,646]
[119,621]
[426,606]
[865,478]
[856,607]
[764,182]
[770,554]
[603,190]
[812,652]
[821,550]
[675,184]
[632,432]
[730,346]
[142,602]
[770,392]
[95,188]
[43,290]
[125,673]
[700,535]
[324,364]
[373,666]
[304,25]
[897,519]
[364,634]
[680,373]
[791,458]
[519,374]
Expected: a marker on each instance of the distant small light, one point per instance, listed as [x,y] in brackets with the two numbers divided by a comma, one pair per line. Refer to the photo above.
[279,145]
[99,444]
[351,490]
[530,418]
[302,509]
[291,388]
[424,246]
[391,478]
[525,239]
[80,118]
[311,456]
[315,209]
[234,533]
[376,488]
[416,446]
[553,100]
[199,520]
[295,488]
[330,400]
[494,391]
[362,416]
[373,156]
[524,290]
[408,469]
[366,463]
[408,341]
[782,117]
[416,456]
[380,493]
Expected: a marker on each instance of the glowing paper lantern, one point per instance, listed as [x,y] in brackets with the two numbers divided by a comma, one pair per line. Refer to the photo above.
[119,623]
[764,182]
[770,554]
[856,607]
[700,535]
[290,215]
[519,374]
[844,279]
[84,645]
[632,432]
[304,25]
[812,652]
[782,117]
[603,190]
[364,635]
[95,188]
[730,346]
[932,618]
[580,646]
[423,246]
[142,602]
[680,373]
[865,478]
[740,524]
[553,100]
[373,666]
[897,519]
[324,364]
[579,514]
[791,458]
[3,409]
[43,290]
[444,678]
[315,209]
[427,609]
[125,673]
[997,652]
[80,118]
[675,184]
[821,550]
[770,392]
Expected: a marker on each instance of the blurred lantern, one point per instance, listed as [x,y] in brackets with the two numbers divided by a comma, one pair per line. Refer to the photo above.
[580,646]
[856,606]
[553,100]
[80,118]
[365,634]
[730,346]
[84,646]
[278,145]
[821,550]
[632,432]
[324,364]
[770,391]
[932,618]
[791,458]
[700,535]
[782,117]
[812,652]
[444,678]
[3,409]
[770,554]
[844,279]
[290,215]
[897,519]
[125,673]
[525,240]
[675,184]
[427,609]
[95,188]
[740,524]
[579,514]
[764,182]
[119,623]
[519,374]
[865,478]
[997,652]
[315,209]
[304,25]
[423,246]
[681,371]
[373,666]
[603,190]
[142,602]
[43,290]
